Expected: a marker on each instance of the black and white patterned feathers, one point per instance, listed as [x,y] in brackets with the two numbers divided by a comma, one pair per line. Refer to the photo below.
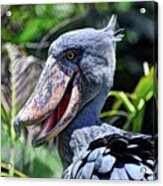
[120,155]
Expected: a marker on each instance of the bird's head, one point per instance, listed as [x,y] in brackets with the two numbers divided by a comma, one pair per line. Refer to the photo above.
[80,64]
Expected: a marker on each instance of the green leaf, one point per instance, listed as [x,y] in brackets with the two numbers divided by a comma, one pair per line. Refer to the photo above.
[16,172]
[117,105]
[34,162]
[5,116]
[138,120]
[123,6]
[42,162]
[16,94]
[124,99]
[114,113]
[145,87]
[6,119]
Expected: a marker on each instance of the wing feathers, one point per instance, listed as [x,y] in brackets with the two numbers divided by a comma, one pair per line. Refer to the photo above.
[116,156]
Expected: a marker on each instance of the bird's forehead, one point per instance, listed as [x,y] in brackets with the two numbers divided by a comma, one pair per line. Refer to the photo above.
[84,38]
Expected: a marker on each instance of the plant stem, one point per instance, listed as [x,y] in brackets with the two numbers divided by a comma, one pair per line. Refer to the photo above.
[13,113]
[16,172]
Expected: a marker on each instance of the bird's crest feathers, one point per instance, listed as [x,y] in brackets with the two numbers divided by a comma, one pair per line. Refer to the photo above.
[110,28]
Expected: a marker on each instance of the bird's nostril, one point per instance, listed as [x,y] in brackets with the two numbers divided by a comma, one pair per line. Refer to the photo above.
[17,126]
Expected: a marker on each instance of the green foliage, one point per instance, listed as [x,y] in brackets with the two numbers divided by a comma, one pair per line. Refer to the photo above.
[28,24]
[132,36]
[33,162]
[18,152]
[124,6]
[5,171]
[134,103]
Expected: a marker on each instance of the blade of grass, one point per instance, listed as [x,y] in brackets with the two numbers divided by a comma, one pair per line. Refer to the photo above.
[124,99]
[16,172]
[145,87]
[113,113]
[6,119]
[138,120]
[12,70]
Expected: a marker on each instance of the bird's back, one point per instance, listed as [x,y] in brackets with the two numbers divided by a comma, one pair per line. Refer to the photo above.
[105,152]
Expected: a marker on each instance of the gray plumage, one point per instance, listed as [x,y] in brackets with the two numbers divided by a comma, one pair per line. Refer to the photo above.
[116,154]
[112,154]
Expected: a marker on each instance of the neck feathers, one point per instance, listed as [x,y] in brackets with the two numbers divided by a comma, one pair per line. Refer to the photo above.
[87,117]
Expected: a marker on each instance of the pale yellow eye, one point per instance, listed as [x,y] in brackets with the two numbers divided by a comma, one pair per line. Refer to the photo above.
[70,55]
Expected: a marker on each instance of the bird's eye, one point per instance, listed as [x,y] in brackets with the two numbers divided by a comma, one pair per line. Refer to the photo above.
[70,55]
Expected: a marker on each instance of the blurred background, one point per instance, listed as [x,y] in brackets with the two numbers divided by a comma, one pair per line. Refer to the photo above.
[27,32]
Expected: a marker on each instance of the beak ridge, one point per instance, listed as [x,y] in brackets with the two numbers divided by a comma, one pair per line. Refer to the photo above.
[54,102]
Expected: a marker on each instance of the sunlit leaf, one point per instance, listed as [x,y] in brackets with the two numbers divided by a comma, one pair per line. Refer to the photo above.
[145,87]
[124,99]
[138,120]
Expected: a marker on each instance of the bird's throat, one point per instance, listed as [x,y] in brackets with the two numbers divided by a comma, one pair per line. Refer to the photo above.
[87,117]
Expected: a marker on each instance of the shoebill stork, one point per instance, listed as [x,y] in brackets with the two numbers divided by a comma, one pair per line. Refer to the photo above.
[66,104]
